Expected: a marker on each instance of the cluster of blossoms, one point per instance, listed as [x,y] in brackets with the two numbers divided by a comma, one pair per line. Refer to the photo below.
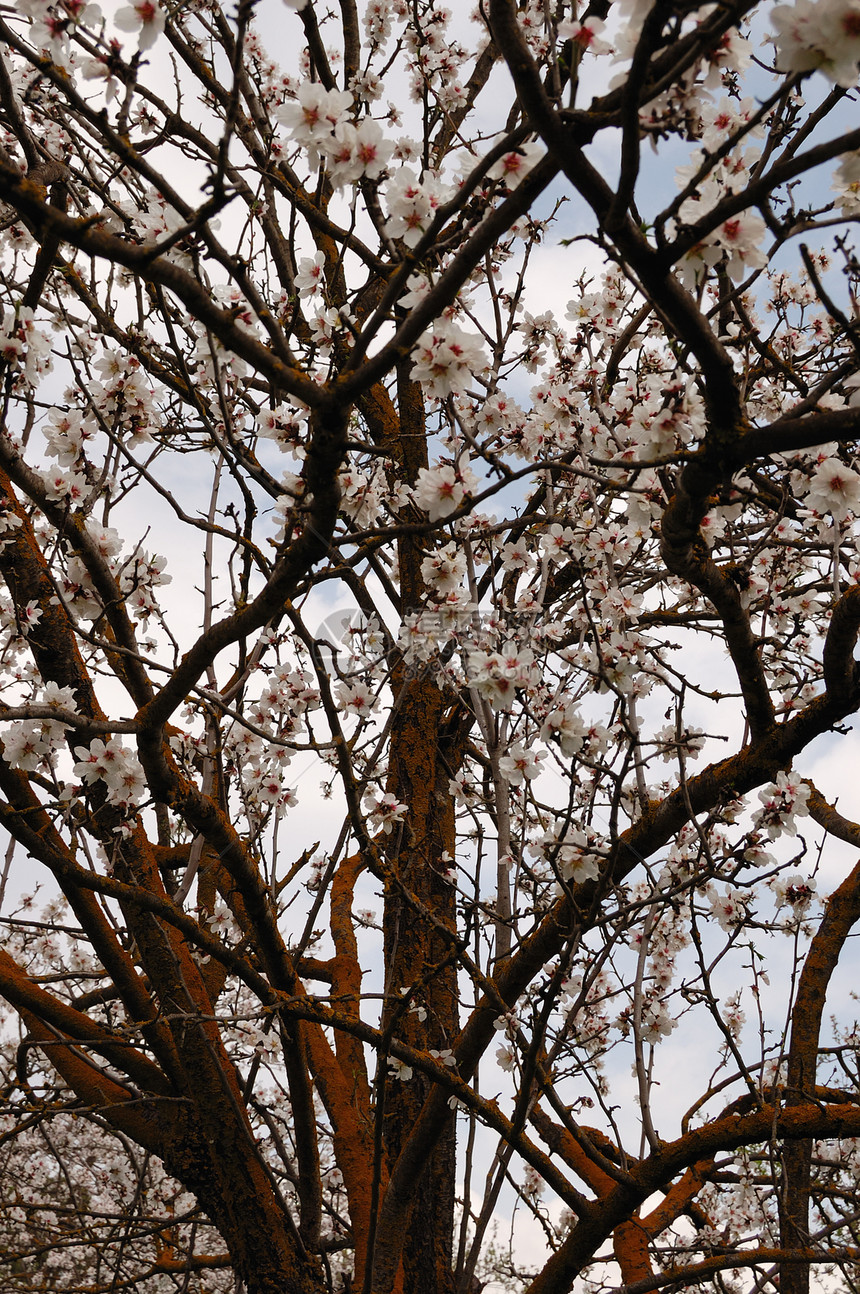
[377,19]
[384,811]
[319,121]
[574,854]
[447,359]
[667,940]
[782,802]
[286,426]
[32,745]
[137,575]
[264,791]
[436,57]
[689,741]
[730,906]
[588,1006]
[260,754]
[563,723]
[412,204]
[520,765]
[443,489]
[795,892]
[444,569]
[834,489]
[815,36]
[364,494]
[25,346]
[497,676]
[356,699]
[109,762]
[121,397]
[737,241]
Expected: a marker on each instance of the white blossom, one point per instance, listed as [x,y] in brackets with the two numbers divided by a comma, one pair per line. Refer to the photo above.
[834,488]
[447,359]
[441,490]
[520,764]
[146,17]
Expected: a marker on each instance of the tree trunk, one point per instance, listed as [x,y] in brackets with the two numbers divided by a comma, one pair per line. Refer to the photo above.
[420,904]
[419,928]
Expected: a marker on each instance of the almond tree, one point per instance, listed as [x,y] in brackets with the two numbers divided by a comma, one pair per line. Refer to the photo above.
[452,765]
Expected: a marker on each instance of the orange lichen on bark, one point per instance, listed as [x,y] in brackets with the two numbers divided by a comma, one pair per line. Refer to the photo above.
[678,1198]
[630,1239]
[840,915]
[352,1135]
[64,1021]
[346,976]
[769,1123]
[419,920]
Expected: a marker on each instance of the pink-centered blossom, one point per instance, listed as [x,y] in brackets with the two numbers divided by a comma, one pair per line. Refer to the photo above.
[357,699]
[146,17]
[740,238]
[847,184]
[411,203]
[311,275]
[520,764]
[819,35]
[384,811]
[783,800]
[313,116]
[586,35]
[29,616]
[356,151]
[51,35]
[515,165]
[834,488]
[496,676]
[440,490]
[447,359]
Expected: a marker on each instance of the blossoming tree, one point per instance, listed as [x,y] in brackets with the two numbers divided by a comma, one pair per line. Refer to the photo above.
[409,848]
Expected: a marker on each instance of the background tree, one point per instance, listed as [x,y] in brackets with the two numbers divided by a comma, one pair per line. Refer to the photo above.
[274,321]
